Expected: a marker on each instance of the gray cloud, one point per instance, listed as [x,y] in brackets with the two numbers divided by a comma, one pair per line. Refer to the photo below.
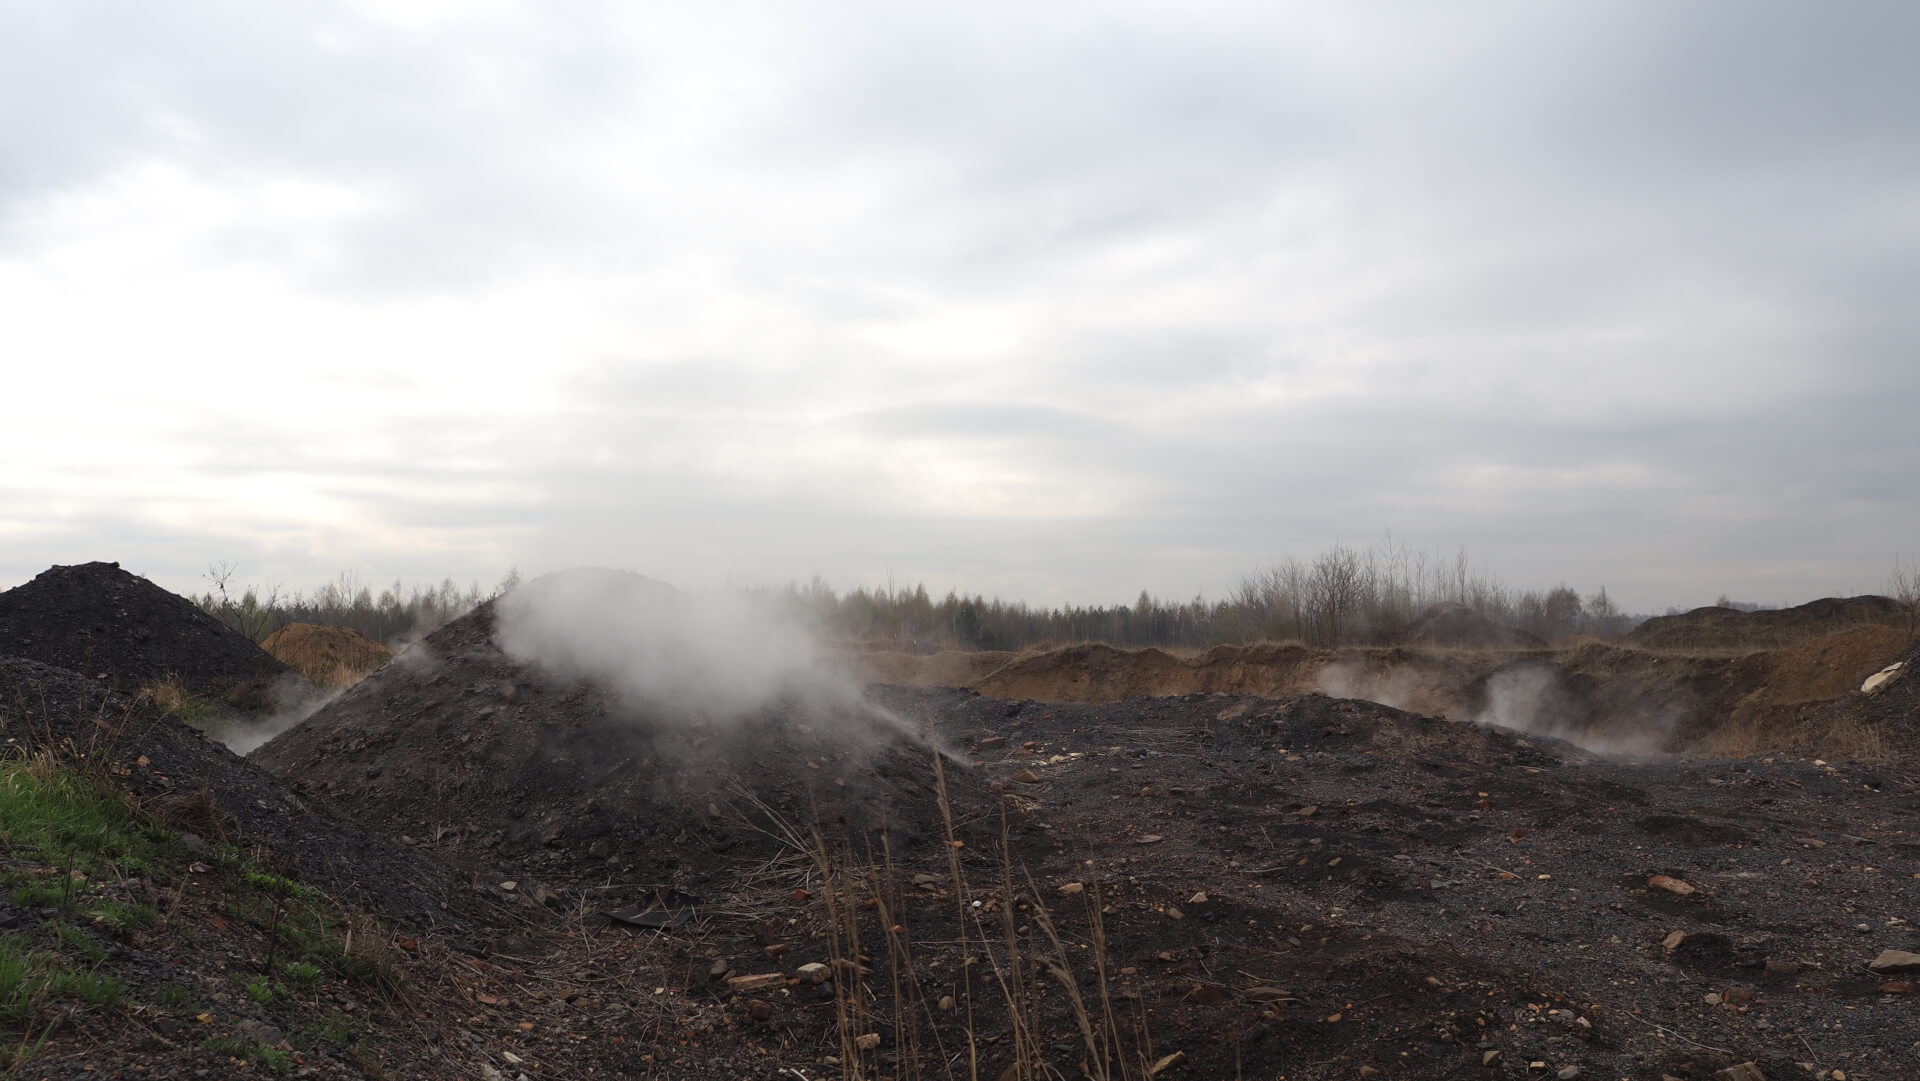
[1058,303]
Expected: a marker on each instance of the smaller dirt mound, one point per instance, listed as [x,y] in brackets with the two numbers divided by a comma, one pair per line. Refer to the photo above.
[1100,674]
[98,619]
[1092,672]
[947,668]
[1729,628]
[329,656]
[1456,626]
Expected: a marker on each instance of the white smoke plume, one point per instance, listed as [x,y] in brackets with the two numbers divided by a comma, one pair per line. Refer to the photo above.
[1536,700]
[714,658]
[294,700]
[1401,687]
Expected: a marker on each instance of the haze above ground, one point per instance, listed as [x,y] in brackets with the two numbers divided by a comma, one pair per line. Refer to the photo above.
[1057,304]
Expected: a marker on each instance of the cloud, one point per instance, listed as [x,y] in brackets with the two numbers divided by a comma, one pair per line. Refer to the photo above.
[1057,302]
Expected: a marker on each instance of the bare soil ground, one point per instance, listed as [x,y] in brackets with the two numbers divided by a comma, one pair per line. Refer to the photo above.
[1299,887]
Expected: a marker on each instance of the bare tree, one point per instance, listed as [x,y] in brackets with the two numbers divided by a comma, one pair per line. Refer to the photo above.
[1904,587]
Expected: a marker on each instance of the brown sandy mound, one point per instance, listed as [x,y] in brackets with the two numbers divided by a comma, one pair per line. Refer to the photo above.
[1601,695]
[947,668]
[1091,672]
[1728,628]
[102,621]
[1100,674]
[329,656]
[1774,695]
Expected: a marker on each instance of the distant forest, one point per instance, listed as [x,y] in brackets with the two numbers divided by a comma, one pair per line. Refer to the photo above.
[1342,596]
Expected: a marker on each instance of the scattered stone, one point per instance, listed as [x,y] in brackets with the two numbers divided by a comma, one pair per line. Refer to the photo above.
[815,972]
[1071,888]
[1568,1073]
[1491,1058]
[760,1010]
[946,1002]
[1368,1072]
[1027,776]
[718,969]
[1745,1071]
[1895,961]
[1713,999]
[867,1041]
[1671,885]
[1198,898]
[1148,839]
[1673,941]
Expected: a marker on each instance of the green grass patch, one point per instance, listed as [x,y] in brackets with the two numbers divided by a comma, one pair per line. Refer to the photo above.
[72,820]
[32,978]
[123,918]
[174,997]
[74,939]
[232,1047]
[61,895]
[303,975]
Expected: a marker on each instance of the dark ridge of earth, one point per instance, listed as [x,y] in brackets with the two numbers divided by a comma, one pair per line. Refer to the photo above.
[1731,628]
[487,757]
[102,621]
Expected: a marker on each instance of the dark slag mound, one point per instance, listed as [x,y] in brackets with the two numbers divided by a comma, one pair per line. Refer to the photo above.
[461,748]
[173,767]
[97,619]
[1730,628]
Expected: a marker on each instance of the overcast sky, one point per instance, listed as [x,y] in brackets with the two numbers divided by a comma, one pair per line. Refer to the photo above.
[1050,301]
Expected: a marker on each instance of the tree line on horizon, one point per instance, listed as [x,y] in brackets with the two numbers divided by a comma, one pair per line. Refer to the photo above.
[1343,596]
[1373,595]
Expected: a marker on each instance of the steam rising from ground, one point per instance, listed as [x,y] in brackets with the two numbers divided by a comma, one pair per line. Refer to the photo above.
[1535,699]
[1400,687]
[294,700]
[715,658]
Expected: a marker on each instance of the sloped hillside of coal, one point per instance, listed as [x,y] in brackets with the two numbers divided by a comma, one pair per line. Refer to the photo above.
[203,787]
[100,620]
[496,764]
